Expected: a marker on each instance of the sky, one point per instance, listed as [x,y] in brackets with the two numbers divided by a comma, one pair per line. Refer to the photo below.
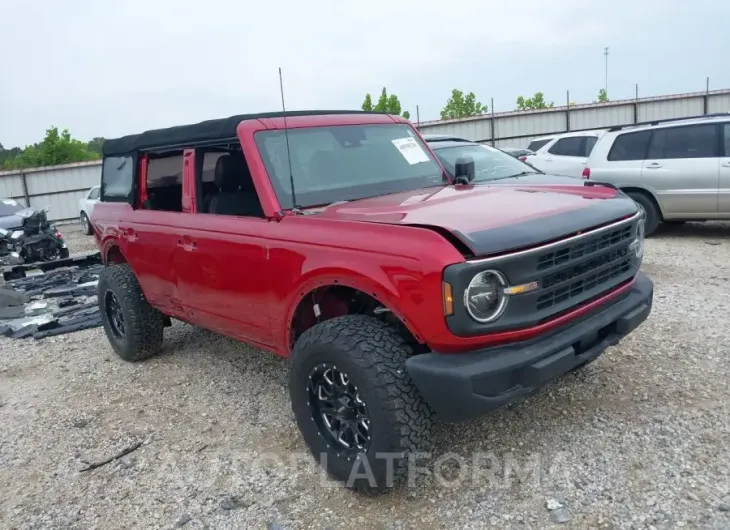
[109,68]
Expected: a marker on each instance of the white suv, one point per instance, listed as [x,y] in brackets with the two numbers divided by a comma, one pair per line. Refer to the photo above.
[86,206]
[676,170]
[566,154]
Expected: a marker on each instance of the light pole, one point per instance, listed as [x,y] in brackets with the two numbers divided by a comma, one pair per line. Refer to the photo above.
[605,86]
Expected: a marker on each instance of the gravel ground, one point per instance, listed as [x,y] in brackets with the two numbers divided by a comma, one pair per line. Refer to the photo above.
[638,439]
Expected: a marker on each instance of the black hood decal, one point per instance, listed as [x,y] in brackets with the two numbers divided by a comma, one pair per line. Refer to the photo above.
[545,229]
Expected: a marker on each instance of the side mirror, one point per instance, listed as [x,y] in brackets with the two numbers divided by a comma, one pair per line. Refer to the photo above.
[464,170]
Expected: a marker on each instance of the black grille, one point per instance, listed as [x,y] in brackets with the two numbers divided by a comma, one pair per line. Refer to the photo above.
[583,278]
[586,247]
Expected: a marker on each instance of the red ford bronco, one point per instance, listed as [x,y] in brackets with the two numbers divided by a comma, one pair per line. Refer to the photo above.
[400,290]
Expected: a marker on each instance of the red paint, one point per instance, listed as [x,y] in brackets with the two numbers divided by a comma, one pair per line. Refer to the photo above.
[244,277]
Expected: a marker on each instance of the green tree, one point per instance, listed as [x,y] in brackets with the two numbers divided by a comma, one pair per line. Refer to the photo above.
[95,144]
[386,103]
[534,103]
[602,96]
[462,106]
[56,148]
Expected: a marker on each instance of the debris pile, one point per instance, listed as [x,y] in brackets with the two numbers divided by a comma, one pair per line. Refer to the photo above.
[52,303]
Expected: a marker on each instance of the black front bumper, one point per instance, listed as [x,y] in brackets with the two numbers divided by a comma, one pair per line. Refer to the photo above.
[462,386]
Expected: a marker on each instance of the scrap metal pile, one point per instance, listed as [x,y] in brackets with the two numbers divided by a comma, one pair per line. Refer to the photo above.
[52,302]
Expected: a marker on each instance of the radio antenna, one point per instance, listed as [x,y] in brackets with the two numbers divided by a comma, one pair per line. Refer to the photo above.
[295,208]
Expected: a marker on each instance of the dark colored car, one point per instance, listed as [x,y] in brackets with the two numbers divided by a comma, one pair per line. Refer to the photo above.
[398,288]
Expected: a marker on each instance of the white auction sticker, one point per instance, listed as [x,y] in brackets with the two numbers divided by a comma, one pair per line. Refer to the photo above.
[411,151]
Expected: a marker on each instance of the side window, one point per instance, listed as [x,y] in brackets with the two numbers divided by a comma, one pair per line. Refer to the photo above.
[164,182]
[573,146]
[589,145]
[537,144]
[94,194]
[225,185]
[117,178]
[727,139]
[629,146]
[691,141]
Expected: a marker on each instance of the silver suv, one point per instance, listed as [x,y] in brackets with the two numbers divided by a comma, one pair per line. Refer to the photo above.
[676,170]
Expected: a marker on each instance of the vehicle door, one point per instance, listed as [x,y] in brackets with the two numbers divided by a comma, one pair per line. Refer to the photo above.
[621,164]
[92,200]
[566,156]
[222,267]
[724,179]
[151,230]
[682,170]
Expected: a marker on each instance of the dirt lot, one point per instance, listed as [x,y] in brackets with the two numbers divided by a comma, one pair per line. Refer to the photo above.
[638,439]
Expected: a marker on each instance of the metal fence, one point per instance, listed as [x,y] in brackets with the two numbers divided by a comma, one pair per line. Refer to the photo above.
[61,187]
[57,187]
[518,128]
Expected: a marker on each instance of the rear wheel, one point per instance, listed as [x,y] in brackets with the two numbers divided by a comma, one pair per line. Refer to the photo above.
[650,210]
[357,409]
[133,327]
[85,224]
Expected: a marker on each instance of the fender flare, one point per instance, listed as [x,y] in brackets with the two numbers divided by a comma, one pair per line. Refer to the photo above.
[381,291]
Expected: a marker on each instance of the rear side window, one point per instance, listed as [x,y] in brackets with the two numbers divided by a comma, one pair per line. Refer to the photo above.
[692,141]
[630,146]
[727,139]
[574,146]
[537,144]
[117,177]
[589,145]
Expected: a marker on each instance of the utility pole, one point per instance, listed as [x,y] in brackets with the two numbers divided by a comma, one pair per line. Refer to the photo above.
[605,86]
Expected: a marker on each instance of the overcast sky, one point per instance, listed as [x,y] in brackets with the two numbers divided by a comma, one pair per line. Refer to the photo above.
[108,68]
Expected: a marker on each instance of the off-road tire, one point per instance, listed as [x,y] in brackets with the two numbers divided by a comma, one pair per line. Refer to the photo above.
[85,224]
[653,216]
[373,355]
[143,324]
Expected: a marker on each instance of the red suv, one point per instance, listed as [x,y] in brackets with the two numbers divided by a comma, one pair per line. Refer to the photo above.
[400,292]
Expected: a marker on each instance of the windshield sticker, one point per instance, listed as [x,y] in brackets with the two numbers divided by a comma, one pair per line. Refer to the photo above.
[411,151]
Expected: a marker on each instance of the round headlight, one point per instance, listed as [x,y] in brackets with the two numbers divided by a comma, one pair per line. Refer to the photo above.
[484,298]
[639,241]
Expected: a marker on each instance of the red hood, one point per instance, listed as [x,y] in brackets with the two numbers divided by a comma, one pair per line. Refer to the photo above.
[469,211]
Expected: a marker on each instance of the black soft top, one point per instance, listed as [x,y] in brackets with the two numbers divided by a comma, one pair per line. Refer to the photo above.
[209,130]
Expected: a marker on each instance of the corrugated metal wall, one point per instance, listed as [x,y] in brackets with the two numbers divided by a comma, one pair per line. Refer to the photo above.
[57,187]
[518,128]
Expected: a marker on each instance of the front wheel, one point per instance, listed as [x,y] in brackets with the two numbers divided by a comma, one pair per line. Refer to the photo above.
[357,409]
[85,224]
[651,212]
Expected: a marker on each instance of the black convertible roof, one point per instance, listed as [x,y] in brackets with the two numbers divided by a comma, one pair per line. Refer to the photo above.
[209,130]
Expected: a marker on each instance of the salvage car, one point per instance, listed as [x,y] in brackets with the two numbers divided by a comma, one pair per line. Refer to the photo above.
[400,292]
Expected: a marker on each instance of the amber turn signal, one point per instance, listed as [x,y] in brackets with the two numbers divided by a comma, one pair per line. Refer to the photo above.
[448,299]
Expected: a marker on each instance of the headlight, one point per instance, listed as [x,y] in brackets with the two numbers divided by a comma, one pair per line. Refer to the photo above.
[484,298]
[638,242]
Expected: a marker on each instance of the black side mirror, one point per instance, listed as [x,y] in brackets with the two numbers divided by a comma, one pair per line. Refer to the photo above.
[464,170]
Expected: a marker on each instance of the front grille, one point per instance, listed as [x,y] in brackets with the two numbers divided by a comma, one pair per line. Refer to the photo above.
[583,268]
[584,248]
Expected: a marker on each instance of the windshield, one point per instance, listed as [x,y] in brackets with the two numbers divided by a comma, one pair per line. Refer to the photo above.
[489,163]
[9,207]
[346,162]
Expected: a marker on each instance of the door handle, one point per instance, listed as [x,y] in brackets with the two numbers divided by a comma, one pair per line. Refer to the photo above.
[726,164]
[655,165]
[187,244]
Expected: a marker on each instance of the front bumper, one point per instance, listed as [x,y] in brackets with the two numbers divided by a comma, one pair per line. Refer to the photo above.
[459,387]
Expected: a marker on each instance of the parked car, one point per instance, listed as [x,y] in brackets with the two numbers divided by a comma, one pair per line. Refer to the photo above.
[517,152]
[9,218]
[490,164]
[86,207]
[338,240]
[676,170]
[537,143]
[565,154]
